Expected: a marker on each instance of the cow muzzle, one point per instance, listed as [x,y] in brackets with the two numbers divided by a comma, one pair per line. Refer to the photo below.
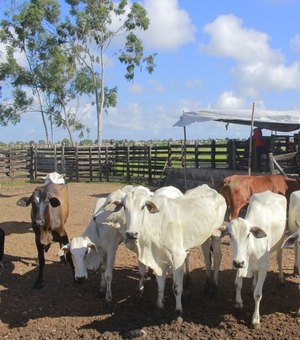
[39,222]
[238,264]
[132,235]
[80,279]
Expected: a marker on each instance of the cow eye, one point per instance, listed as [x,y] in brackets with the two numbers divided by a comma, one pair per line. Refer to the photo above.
[86,252]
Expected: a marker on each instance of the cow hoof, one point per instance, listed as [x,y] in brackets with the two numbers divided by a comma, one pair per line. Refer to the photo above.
[137,298]
[177,317]
[158,314]
[282,283]
[238,305]
[100,294]
[137,333]
[256,325]
[108,306]
[63,260]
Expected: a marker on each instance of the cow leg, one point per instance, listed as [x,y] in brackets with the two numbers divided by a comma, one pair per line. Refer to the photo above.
[108,275]
[142,272]
[254,282]
[65,240]
[41,256]
[217,255]
[257,295]
[161,282]
[207,260]
[238,292]
[103,286]
[279,262]
[2,239]
[187,277]
[296,265]
[177,288]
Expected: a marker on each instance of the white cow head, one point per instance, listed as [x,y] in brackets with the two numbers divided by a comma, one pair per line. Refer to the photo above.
[137,203]
[80,247]
[242,236]
[54,177]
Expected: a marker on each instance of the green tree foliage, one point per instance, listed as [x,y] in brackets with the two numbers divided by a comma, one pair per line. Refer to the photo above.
[47,80]
[90,31]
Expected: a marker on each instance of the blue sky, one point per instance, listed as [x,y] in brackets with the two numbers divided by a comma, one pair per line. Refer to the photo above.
[210,54]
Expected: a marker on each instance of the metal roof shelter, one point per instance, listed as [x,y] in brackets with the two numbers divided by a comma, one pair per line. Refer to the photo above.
[282,121]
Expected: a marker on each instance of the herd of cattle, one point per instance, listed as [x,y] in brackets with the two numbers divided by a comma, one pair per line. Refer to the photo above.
[162,226]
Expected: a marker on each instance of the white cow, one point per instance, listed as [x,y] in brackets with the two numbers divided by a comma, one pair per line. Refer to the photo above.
[164,229]
[293,219]
[54,177]
[118,220]
[95,247]
[252,239]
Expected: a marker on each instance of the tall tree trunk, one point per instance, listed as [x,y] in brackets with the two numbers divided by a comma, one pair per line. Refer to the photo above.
[100,102]
[67,125]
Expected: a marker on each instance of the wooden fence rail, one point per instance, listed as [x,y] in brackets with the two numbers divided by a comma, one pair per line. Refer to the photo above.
[135,163]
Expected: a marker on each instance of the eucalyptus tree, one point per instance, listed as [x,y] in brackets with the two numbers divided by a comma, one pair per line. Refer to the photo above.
[91,28]
[41,72]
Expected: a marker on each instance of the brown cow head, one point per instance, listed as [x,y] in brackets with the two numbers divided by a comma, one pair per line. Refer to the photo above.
[41,201]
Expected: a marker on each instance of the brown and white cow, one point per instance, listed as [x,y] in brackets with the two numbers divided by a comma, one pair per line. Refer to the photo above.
[238,189]
[49,213]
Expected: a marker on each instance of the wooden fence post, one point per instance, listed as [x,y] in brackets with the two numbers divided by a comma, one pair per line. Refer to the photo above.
[99,163]
[55,157]
[106,164]
[63,160]
[213,154]
[127,164]
[196,154]
[35,161]
[169,154]
[149,164]
[91,164]
[31,162]
[76,163]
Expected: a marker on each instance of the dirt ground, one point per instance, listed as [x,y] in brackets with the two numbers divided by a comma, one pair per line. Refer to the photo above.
[63,310]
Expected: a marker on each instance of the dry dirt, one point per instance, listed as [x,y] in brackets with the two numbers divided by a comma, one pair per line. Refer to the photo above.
[63,310]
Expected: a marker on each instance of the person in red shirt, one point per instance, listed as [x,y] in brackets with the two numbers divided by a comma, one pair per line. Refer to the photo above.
[260,145]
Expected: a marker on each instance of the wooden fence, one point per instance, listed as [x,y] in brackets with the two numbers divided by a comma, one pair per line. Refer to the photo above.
[135,163]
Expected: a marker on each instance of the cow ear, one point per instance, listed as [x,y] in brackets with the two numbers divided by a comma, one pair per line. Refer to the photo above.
[114,206]
[24,201]
[257,232]
[289,242]
[63,250]
[55,202]
[92,247]
[152,208]
[221,231]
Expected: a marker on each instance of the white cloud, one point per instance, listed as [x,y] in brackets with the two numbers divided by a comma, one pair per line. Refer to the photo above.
[170,27]
[158,87]
[136,88]
[258,67]
[295,43]
[228,100]
[129,117]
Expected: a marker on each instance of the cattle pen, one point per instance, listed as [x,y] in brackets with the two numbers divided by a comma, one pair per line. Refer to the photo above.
[151,163]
